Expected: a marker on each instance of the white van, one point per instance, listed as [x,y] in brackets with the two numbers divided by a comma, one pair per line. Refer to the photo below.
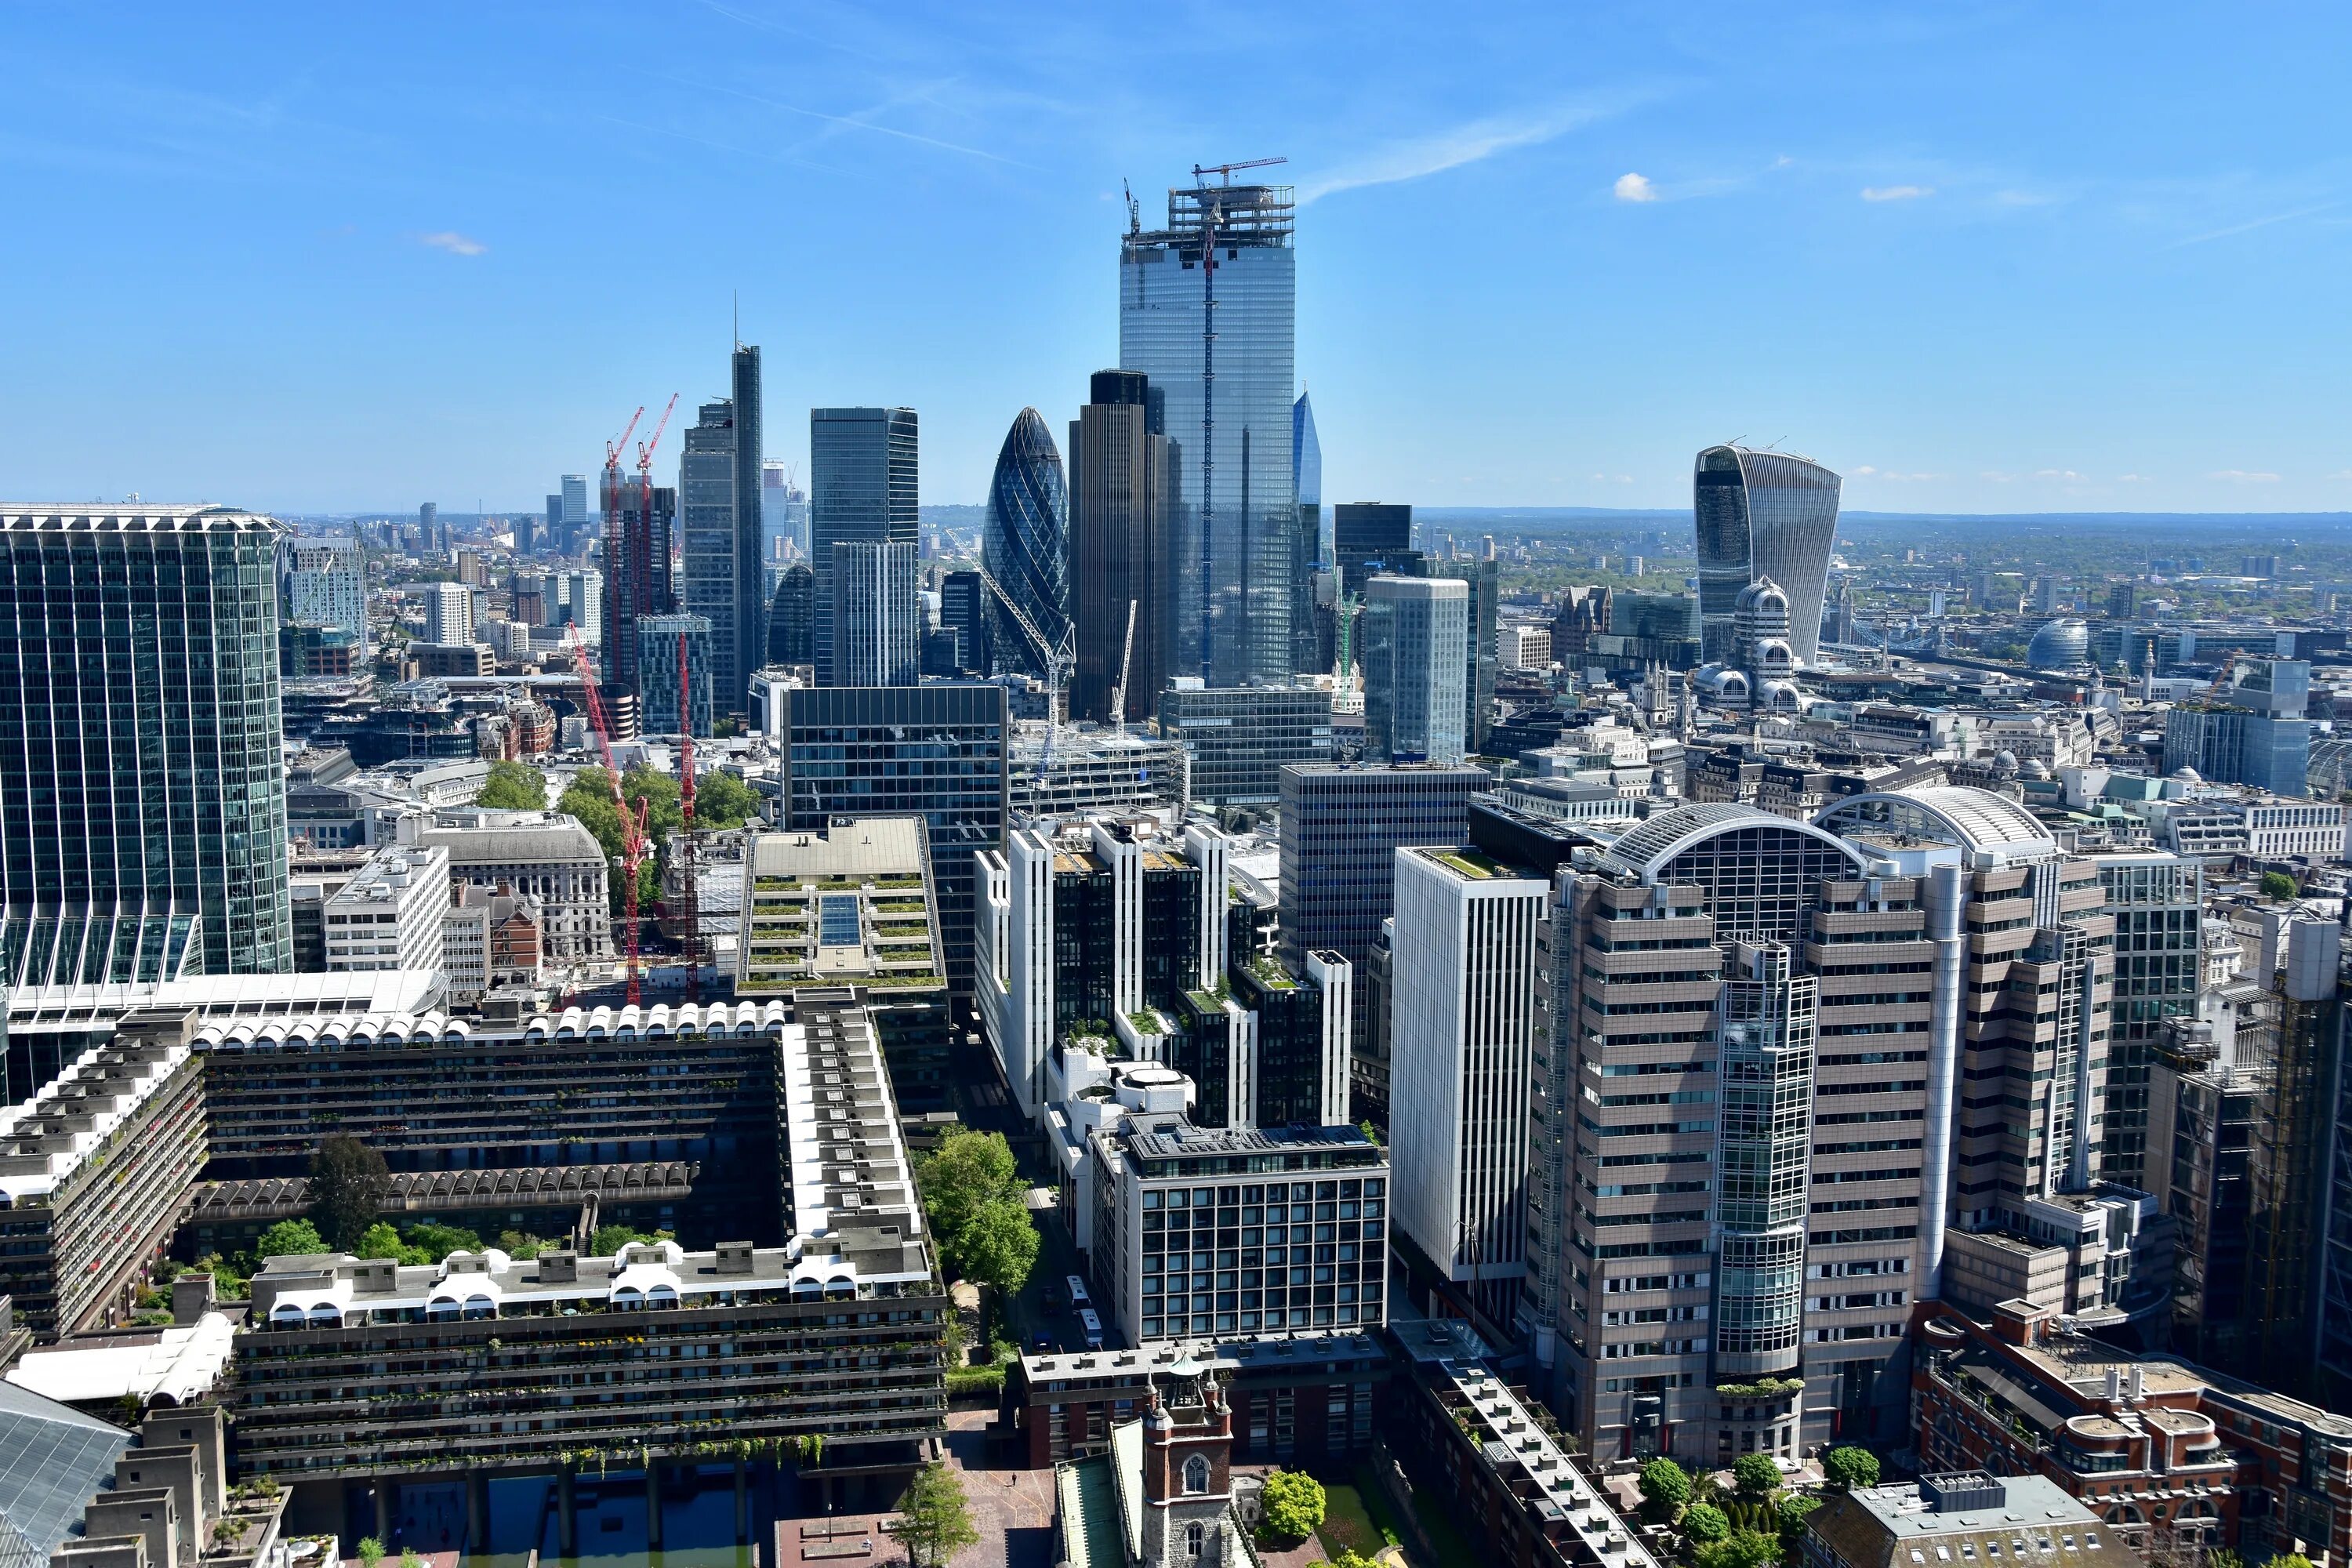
[1091,1326]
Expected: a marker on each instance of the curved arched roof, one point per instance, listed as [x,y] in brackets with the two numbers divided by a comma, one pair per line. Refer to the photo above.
[1648,847]
[1976,819]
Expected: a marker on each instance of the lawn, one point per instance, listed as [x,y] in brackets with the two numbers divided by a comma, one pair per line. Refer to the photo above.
[1357,1518]
[1348,1523]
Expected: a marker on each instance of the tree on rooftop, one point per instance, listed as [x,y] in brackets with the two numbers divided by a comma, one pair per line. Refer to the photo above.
[349,1182]
[2279,886]
[1849,1467]
[1794,1510]
[290,1238]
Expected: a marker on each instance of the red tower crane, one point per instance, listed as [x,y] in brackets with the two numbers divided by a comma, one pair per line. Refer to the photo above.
[612,497]
[642,568]
[633,824]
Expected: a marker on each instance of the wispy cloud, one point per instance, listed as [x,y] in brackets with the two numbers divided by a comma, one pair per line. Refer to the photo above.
[2133,480]
[2250,226]
[456,244]
[853,122]
[2243,477]
[1896,192]
[2341,474]
[2057,474]
[1636,188]
[1867,473]
[1471,143]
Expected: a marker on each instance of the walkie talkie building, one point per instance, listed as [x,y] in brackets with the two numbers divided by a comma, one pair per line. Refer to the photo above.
[1762,514]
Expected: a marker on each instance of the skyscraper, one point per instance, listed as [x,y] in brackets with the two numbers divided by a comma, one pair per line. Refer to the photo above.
[792,618]
[660,640]
[449,612]
[575,501]
[139,726]
[963,610]
[877,630]
[862,486]
[1307,485]
[784,514]
[718,488]
[638,581]
[1025,545]
[1762,514]
[1486,580]
[1122,486]
[325,584]
[1416,633]
[1207,310]
[1368,536]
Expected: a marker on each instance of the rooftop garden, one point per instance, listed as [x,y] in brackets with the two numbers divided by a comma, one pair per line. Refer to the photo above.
[1468,863]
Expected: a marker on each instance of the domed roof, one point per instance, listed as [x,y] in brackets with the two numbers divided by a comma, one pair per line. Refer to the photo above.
[1761,593]
[2004,762]
[2060,645]
[2037,769]
[2187,775]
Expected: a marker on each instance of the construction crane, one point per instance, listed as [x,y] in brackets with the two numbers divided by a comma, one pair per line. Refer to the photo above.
[690,926]
[1059,657]
[1126,657]
[2220,682]
[1211,208]
[1134,212]
[633,824]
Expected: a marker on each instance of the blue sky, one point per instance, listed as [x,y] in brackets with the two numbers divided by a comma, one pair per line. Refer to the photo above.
[1978,257]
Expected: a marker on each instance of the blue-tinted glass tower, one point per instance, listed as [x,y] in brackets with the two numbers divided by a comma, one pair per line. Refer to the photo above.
[1026,545]
[1762,514]
[862,489]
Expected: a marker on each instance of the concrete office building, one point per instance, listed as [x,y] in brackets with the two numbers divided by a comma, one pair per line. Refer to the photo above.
[1762,514]
[544,853]
[1341,828]
[877,615]
[1462,1040]
[388,915]
[1303,1253]
[1241,738]
[934,752]
[862,489]
[1416,646]
[152,783]
[1236,551]
[1123,489]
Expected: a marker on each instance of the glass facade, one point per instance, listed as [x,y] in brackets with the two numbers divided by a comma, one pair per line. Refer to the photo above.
[933,751]
[1026,545]
[792,616]
[876,614]
[1226,391]
[1766,1017]
[862,487]
[140,722]
[2157,903]
[1416,633]
[659,639]
[1240,739]
[705,488]
[1762,514]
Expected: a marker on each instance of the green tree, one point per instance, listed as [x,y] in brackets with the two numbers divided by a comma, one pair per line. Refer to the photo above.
[2289,1560]
[2223,1557]
[1665,1487]
[1794,1510]
[1704,1522]
[1351,1558]
[513,786]
[934,1520]
[589,797]
[290,1238]
[380,1240]
[965,1174]
[349,1182]
[1755,1475]
[2279,886]
[1294,1505]
[438,1241]
[1849,1467]
[997,1245]
[370,1552]
[721,800]
[610,1238]
[1740,1549]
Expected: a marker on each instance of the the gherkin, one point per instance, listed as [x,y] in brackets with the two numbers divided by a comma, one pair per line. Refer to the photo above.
[1026,547]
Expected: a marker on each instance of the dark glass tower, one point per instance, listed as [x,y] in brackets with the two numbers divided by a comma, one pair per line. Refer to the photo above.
[636,574]
[1026,545]
[719,485]
[1122,483]
[862,489]
[1762,514]
[791,618]
[139,731]
[749,583]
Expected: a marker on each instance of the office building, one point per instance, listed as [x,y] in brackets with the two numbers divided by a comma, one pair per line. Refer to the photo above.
[1368,537]
[149,783]
[1462,1040]
[933,751]
[448,613]
[853,905]
[1416,657]
[1174,1196]
[1123,490]
[545,854]
[1096,772]
[719,495]
[388,914]
[1340,829]
[1308,546]
[964,611]
[663,642]
[1026,543]
[638,581]
[1226,250]
[1762,514]
[1967,1516]
[792,616]
[1241,738]
[574,495]
[1484,655]
[325,584]
[489,938]
[862,489]
[428,521]
[2253,732]
[783,516]
[877,614]
[2157,902]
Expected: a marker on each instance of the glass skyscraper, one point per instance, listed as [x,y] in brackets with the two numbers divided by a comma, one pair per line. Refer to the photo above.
[862,487]
[1762,514]
[718,491]
[1227,392]
[1026,545]
[1308,547]
[1416,668]
[1121,479]
[139,728]
[876,614]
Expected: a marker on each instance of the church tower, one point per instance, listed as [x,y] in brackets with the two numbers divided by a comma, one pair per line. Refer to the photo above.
[1188,1447]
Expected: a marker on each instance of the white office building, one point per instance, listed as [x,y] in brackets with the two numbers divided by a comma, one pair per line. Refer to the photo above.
[545,854]
[1417,638]
[448,613]
[1463,1027]
[388,916]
